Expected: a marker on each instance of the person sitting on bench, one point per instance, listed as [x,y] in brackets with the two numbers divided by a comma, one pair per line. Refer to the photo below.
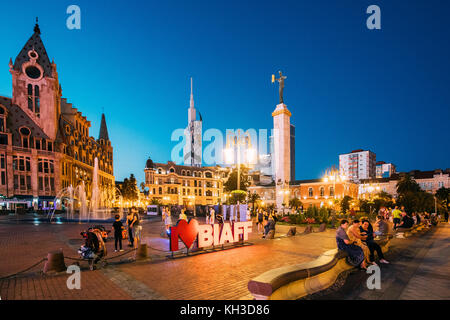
[272,220]
[369,241]
[406,222]
[382,226]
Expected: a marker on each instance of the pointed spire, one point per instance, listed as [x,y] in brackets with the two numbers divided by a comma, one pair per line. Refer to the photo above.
[192,94]
[36,27]
[103,129]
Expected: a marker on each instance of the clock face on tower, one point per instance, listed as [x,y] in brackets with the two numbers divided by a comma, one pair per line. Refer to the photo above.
[33,72]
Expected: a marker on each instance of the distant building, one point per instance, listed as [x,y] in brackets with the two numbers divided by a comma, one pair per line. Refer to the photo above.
[429,181]
[184,185]
[313,192]
[384,170]
[358,164]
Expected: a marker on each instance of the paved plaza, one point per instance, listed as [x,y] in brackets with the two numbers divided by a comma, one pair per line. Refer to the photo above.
[219,275]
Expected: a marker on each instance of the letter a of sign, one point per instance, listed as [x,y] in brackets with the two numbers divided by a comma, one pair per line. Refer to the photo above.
[374,21]
[374,281]
[73,21]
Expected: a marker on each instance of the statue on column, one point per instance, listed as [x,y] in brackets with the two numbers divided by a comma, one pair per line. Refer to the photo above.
[281,82]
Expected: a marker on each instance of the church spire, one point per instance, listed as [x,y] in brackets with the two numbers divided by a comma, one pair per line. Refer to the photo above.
[36,27]
[192,112]
[103,129]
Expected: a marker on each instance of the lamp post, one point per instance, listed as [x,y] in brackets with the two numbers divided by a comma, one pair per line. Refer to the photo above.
[237,140]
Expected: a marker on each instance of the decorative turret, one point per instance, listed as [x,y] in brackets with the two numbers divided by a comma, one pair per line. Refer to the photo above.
[103,130]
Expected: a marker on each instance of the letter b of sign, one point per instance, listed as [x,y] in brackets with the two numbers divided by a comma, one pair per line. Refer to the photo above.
[74,20]
[374,21]
[374,281]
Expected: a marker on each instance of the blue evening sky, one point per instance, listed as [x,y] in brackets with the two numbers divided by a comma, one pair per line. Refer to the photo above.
[348,87]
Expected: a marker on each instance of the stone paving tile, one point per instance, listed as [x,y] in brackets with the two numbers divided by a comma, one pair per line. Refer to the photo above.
[225,274]
[216,275]
[94,286]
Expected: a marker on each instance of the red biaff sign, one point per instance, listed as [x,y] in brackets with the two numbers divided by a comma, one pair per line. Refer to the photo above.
[208,235]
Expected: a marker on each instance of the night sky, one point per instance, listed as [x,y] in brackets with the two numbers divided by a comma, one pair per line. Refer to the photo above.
[348,87]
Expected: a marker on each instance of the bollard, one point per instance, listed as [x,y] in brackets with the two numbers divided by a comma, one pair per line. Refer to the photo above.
[322,227]
[270,234]
[142,252]
[292,231]
[55,262]
[308,229]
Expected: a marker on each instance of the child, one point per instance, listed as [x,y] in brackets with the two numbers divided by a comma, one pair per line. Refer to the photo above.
[118,227]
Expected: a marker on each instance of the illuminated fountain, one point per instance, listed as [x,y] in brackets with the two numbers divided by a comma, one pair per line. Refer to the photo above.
[96,210]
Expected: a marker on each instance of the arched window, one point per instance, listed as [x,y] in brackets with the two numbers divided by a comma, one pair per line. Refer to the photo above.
[331,192]
[322,191]
[2,119]
[208,175]
[310,192]
[172,170]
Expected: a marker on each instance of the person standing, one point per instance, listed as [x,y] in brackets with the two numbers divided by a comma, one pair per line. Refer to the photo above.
[118,227]
[259,222]
[130,228]
[136,225]
[183,215]
[168,220]
[212,216]
[397,216]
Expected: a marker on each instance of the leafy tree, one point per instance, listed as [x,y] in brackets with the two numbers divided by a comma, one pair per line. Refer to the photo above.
[345,203]
[323,215]
[156,202]
[295,203]
[443,195]
[130,191]
[253,198]
[231,183]
[407,184]
[238,195]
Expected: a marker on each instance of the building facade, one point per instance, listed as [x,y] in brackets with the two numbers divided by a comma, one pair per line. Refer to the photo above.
[384,170]
[314,192]
[44,141]
[184,185]
[429,181]
[357,165]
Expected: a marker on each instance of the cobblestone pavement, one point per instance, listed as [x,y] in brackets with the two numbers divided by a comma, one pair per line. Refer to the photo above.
[419,270]
[222,274]
[417,262]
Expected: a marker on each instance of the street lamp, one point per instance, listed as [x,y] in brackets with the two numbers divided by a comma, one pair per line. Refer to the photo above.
[237,140]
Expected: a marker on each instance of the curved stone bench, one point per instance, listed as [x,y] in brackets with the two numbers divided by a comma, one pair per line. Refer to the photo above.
[297,281]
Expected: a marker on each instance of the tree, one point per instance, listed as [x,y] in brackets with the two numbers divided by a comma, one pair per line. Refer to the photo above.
[155,202]
[231,183]
[253,198]
[345,203]
[407,184]
[443,195]
[295,203]
[129,189]
[238,196]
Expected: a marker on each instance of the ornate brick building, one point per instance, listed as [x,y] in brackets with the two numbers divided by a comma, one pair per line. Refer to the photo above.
[44,141]
[184,185]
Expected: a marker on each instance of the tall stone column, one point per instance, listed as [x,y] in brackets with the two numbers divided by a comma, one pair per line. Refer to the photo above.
[282,153]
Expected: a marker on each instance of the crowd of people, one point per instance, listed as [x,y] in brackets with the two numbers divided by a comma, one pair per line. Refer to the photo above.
[358,239]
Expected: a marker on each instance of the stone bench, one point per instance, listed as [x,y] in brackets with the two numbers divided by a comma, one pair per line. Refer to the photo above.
[297,281]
